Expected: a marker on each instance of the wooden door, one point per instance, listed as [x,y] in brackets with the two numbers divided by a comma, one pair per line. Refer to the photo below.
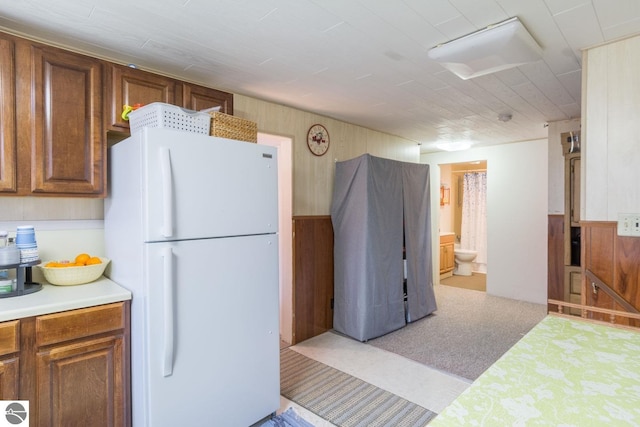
[67,142]
[82,367]
[450,257]
[312,276]
[79,384]
[199,98]
[9,360]
[8,141]
[555,257]
[9,378]
[574,189]
[443,259]
[130,86]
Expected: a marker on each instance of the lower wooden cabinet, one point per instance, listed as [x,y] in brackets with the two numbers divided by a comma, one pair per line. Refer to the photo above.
[9,378]
[82,383]
[447,262]
[9,360]
[73,367]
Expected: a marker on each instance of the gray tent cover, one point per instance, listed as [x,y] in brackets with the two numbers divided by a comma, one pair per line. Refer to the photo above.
[376,201]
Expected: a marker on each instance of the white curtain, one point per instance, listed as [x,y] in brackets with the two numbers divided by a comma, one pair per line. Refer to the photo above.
[474,217]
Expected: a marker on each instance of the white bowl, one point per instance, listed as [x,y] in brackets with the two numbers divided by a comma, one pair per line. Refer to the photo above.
[65,276]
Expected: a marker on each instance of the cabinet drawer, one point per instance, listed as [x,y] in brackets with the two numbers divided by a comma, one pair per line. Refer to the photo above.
[447,238]
[69,325]
[9,337]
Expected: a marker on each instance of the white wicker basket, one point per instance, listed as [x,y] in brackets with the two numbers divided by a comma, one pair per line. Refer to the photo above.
[161,115]
[65,276]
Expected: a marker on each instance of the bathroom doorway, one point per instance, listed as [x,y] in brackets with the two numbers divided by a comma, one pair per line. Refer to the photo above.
[464,214]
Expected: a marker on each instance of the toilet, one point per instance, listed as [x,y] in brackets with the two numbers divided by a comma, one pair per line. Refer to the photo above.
[463,258]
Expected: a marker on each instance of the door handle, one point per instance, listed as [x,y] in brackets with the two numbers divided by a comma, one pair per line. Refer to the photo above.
[168,335]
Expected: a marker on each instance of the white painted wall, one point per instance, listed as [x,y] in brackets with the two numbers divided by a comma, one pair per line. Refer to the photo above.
[285,239]
[517,205]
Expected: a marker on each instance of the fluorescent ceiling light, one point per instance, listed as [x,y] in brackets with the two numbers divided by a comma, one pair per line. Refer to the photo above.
[498,47]
[453,146]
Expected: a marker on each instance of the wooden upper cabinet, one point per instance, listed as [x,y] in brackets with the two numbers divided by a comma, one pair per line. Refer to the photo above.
[8,141]
[56,107]
[67,144]
[130,86]
[199,98]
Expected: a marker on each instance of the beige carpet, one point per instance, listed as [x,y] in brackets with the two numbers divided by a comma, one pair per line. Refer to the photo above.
[469,331]
[475,282]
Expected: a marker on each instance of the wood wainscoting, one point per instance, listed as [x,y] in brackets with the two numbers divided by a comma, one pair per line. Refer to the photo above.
[613,261]
[312,276]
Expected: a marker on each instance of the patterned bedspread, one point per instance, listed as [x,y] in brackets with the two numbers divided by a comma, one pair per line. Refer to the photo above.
[564,372]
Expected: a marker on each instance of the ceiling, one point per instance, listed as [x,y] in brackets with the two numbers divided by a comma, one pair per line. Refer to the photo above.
[360,61]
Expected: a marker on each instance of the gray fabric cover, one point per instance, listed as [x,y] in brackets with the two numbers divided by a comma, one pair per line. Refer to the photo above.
[374,200]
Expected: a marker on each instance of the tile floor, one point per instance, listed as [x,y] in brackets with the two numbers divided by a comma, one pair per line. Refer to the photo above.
[427,387]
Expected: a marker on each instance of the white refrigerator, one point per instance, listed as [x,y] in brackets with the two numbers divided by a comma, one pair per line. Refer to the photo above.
[191,230]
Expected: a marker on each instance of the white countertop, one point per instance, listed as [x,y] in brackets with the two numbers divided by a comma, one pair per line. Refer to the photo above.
[52,299]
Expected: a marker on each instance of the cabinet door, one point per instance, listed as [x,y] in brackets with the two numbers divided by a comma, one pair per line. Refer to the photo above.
[449,257]
[9,378]
[130,86]
[443,259]
[9,362]
[198,98]
[67,142]
[82,367]
[446,258]
[80,384]
[8,159]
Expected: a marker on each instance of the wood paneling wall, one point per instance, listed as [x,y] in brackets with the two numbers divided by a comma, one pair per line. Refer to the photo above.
[312,276]
[313,175]
[610,108]
[613,259]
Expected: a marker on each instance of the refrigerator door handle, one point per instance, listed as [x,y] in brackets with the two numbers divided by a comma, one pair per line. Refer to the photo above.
[167,282]
[167,192]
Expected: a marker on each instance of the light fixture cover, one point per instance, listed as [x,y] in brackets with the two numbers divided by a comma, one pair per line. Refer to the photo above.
[495,48]
[453,145]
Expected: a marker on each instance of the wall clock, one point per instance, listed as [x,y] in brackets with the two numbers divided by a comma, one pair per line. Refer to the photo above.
[318,139]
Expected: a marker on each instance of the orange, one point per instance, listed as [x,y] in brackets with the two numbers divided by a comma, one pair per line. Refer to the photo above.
[81,259]
[93,260]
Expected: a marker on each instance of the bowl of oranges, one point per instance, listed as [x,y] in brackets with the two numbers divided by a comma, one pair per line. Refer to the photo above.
[83,269]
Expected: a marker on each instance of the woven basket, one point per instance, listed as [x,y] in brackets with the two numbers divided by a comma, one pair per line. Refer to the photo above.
[226,126]
[68,276]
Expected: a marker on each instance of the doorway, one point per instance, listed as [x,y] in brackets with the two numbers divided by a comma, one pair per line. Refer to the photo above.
[285,212]
[465,216]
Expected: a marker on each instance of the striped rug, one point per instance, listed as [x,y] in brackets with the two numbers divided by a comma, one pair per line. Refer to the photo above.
[344,400]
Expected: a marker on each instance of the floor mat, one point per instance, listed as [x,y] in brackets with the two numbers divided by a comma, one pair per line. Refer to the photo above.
[288,418]
[342,399]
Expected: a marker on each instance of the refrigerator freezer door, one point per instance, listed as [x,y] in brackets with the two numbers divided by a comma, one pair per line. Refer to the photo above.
[190,186]
[212,331]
